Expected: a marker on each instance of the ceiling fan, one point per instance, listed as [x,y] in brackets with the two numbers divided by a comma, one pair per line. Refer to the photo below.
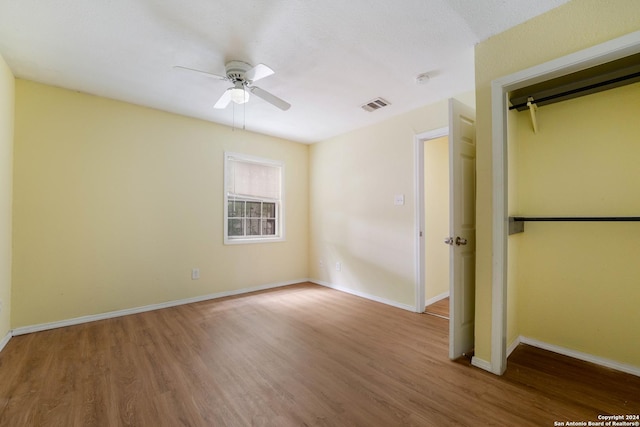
[242,76]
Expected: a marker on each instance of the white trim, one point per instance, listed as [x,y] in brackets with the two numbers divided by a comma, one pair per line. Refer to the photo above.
[433,134]
[608,363]
[499,267]
[599,54]
[419,225]
[5,340]
[437,298]
[513,346]
[418,173]
[364,295]
[481,363]
[118,313]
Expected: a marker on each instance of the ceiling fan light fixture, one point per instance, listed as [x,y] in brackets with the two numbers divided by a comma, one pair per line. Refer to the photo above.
[239,95]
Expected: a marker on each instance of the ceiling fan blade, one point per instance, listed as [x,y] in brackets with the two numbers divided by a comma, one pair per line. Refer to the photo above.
[258,72]
[271,99]
[224,100]
[217,76]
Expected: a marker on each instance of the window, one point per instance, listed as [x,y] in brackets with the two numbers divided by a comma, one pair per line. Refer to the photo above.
[253,199]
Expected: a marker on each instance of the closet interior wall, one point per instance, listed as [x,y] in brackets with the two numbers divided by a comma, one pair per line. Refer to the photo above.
[575,284]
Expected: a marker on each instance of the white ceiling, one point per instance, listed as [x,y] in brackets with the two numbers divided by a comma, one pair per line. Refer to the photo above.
[330,56]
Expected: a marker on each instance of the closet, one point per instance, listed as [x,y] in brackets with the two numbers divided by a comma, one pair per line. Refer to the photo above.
[574,212]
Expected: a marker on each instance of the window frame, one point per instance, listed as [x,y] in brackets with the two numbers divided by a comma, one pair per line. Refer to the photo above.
[228,197]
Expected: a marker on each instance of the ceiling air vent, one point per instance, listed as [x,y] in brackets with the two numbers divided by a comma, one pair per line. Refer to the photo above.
[375,104]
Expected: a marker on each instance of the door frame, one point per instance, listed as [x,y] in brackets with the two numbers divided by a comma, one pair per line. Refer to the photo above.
[599,54]
[419,141]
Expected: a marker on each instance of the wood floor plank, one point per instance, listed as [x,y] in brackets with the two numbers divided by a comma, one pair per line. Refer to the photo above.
[439,308]
[300,355]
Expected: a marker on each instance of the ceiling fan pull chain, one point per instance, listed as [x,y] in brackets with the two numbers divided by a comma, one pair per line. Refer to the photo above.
[233,119]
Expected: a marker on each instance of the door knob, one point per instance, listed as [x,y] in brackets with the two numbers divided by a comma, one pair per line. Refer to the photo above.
[460,241]
[449,241]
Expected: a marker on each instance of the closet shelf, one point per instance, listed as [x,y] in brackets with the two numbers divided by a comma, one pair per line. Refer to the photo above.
[516,223]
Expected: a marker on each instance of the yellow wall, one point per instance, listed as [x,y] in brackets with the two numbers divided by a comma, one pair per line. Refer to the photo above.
[578,282]
[7,92]
[436,198]
[353,220]
[115,203]
[574,26]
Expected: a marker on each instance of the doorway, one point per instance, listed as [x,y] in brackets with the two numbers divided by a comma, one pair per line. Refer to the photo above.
[437,257]
[605,52]
[420,141]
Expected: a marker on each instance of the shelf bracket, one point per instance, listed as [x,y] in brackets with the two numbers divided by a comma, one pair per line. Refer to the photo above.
[533,108]
[515,225]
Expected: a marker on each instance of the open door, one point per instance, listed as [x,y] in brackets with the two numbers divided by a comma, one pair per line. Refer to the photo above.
[462,199]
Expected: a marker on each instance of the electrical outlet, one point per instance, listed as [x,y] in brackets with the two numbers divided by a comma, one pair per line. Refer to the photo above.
[321,264]
[338,266]
[195,273]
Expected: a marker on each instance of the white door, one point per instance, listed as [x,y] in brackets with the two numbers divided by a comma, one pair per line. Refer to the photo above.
[462,146]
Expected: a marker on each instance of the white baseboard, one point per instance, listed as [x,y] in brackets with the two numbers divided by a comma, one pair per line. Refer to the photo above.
[5,340]
[364,295]
[437,298]
[118,313]
[480,363]
[513,346]
[623,367]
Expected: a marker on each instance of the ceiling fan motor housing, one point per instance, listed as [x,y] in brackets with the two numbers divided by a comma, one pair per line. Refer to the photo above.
[236,70]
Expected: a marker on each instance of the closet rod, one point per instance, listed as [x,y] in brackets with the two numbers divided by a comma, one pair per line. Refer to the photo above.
[577,218]
[567,93]
[516,223]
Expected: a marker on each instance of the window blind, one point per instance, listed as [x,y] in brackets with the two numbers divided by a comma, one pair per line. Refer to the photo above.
[249,179]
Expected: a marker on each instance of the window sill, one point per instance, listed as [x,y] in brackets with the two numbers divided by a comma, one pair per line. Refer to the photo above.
[242,241]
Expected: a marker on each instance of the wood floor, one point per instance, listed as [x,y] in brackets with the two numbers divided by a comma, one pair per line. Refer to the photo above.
[439,308]
[301,355]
